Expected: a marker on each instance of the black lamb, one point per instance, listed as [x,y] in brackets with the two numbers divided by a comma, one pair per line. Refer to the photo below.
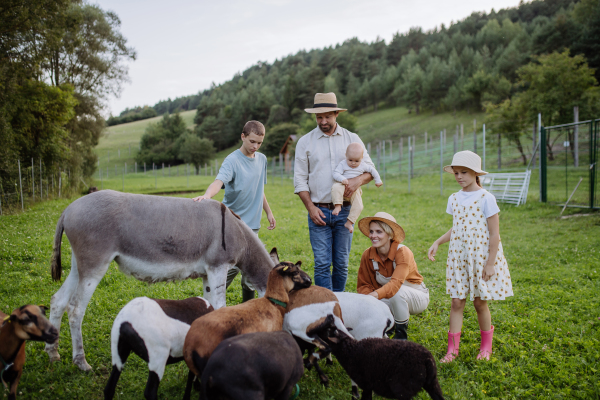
[395,369]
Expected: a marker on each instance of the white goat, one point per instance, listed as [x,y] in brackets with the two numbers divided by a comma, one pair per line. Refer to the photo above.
[309,308]
[155,330]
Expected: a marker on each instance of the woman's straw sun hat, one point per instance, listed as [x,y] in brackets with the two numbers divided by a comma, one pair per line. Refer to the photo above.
[466,159]
[364,223]
[324,102]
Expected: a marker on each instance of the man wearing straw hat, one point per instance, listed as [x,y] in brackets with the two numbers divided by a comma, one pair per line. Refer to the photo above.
[317,154]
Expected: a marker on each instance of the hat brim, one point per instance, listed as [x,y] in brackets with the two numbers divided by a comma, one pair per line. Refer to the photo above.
[448,169]
[364,223]
[322,110]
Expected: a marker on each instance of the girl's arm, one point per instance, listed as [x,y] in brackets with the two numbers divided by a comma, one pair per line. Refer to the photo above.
[434,247]
[270,215]
[493,223]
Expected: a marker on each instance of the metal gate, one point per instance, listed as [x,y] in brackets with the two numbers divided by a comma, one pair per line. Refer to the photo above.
[569,160]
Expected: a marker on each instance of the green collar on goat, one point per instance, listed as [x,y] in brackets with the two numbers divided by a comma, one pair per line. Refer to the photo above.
[278,302]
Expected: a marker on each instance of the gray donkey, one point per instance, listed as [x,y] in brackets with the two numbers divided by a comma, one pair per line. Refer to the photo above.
[154,239]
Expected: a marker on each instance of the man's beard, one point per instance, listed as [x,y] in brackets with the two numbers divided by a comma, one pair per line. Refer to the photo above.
[326,128]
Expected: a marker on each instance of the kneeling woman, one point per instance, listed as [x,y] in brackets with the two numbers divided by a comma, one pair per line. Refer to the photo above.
[388,271]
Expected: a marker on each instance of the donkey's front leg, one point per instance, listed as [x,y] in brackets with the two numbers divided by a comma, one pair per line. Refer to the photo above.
[216,286]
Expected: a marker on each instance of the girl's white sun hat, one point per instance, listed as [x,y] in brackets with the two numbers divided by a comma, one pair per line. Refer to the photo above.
[467,159]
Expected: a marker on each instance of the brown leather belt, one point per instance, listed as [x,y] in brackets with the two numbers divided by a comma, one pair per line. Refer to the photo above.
[331,206]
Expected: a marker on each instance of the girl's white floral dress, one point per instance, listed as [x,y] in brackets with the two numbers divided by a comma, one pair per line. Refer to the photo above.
[468,253]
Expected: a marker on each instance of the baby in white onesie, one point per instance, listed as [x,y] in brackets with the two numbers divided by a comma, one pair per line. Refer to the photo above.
[351,167]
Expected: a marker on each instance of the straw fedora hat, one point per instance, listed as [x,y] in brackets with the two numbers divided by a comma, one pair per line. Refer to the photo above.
[467,159]
[364,223]
[324,102]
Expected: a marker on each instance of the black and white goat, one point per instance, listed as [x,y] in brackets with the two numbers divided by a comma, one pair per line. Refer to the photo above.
[308,308]
[154,330]
[395,369]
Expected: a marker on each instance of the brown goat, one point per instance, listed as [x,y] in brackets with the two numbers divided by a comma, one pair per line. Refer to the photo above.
[25,323]
[258,315]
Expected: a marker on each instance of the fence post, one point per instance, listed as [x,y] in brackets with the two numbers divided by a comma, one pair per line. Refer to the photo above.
[169,170]
[32,182]
[456,140]
[534,156]
[41,184]
[383,151]
[123,170]
[542,141]
[154,171]
[484,147]
[409,163]
[400,155]
[99,171]
[499,151]
[441,163]
[21,186]
[379,156]
[136,167]
[576,137]
[187,168]
[144,168]
[281,166]
[474,136]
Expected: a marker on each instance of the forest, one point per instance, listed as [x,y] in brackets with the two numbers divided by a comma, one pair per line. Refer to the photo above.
[471,65]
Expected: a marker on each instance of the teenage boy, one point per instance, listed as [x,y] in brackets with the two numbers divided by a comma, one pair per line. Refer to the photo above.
[243,174]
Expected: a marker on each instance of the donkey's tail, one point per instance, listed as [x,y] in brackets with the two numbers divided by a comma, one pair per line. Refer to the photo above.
[55,263]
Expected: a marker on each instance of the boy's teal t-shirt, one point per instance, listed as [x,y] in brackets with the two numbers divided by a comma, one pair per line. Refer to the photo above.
[244,180]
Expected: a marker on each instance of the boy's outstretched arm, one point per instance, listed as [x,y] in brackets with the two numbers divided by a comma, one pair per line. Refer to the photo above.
[211,191]
[270,216]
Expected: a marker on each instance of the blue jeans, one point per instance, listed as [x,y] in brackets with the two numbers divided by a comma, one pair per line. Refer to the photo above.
[331,246]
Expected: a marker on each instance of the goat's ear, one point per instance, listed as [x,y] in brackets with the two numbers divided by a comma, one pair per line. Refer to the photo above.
[319,326]
[274,256]
[43,308]
[299,264]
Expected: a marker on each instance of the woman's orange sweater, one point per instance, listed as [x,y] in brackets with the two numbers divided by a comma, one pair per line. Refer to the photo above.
[406,269]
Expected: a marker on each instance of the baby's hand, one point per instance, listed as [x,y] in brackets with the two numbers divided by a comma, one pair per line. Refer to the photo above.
[379,184]
[345,182]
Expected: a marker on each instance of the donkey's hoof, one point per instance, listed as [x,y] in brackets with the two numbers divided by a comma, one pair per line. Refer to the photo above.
[53,355]
[82,363]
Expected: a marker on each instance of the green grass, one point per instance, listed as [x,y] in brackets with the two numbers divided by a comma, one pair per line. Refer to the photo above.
[547,337]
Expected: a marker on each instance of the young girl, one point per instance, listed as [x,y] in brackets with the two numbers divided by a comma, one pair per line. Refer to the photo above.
[476,265]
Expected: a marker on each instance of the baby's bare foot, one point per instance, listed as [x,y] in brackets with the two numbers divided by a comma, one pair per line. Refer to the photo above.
[337,209]
[350,226]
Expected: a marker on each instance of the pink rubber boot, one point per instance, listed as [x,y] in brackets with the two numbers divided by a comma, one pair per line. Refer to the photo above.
[485,351]
[453,342]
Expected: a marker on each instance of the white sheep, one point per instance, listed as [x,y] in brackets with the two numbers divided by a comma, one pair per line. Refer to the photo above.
[155,330]
[365,316]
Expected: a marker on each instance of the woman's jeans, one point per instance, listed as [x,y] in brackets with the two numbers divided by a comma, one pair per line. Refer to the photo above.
[331,246]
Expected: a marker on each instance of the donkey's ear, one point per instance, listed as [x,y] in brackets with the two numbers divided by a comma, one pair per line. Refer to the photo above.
[299,264]
[274,256]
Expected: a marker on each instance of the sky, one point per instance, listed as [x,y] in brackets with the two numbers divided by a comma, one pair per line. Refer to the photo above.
[183,45]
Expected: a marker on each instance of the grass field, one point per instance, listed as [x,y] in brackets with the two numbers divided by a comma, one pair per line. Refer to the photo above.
[547,338]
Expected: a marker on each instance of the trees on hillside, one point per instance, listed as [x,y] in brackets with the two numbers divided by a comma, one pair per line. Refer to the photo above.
[169,141]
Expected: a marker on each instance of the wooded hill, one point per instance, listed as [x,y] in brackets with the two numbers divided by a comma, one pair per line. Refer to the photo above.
[448,68]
